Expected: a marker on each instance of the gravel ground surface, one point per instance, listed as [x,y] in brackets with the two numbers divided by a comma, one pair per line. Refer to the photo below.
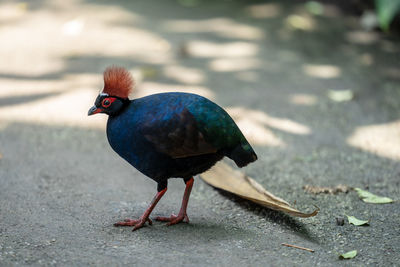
[316,95]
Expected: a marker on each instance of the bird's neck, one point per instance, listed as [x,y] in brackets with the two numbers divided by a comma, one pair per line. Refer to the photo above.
[125,104]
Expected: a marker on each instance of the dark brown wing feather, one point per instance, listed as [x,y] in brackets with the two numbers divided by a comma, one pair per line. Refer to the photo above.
[177,136]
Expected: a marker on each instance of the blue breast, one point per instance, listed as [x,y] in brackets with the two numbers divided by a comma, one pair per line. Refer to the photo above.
[125,136]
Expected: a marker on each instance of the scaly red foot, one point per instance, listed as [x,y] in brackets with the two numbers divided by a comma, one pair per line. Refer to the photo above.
[182,216]
[145,217]
[136,223]
[174,219]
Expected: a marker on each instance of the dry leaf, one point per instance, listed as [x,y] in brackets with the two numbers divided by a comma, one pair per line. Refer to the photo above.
[224,177]
[326,190]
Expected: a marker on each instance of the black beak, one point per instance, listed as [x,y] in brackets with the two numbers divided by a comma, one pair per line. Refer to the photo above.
[94,110]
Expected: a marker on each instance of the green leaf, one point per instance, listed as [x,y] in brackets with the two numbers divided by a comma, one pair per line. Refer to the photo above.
[357,222]
[371,198]
[315,7]
[386,10]
[348,255]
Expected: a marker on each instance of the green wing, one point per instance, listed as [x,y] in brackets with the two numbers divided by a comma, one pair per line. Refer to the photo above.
[216,125]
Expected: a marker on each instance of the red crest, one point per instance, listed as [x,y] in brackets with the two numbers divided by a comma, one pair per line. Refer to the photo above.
[117,82]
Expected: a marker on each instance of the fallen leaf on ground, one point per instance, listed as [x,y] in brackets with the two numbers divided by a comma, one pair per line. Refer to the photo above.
[357,222]
[224,177]
[340,95]
[326,190]
[371,198]
[348,255]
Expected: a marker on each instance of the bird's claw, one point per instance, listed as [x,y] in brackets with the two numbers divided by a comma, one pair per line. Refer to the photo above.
[174,219]
[136,223]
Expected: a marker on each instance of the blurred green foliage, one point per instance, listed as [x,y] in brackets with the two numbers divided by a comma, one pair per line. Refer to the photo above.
[387,10]
[314,8]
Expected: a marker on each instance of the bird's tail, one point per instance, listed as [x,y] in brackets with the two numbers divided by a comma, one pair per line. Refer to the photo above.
[242,155]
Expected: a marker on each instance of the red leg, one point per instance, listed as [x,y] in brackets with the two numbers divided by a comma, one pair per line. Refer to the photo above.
[182,216]
[145,217]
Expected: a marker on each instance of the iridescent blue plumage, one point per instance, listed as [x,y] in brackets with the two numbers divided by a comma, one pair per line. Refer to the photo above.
[145,134]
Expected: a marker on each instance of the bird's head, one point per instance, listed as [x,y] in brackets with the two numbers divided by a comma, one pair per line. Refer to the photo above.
[118,84]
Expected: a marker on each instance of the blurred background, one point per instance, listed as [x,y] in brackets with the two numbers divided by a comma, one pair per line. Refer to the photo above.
[274,64]
[314,86]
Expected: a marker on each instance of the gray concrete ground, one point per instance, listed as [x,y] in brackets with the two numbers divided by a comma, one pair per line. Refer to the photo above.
[278,69]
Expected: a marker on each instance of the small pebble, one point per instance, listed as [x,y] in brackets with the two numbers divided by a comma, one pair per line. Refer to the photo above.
[340,221]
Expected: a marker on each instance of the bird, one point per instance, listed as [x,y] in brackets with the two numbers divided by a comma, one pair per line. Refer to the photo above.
[167,135]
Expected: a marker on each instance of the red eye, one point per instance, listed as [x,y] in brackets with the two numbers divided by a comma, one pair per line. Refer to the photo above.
[106,103]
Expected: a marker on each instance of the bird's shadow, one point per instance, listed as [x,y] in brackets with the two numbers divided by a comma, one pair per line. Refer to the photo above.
[272,215]
[199,231]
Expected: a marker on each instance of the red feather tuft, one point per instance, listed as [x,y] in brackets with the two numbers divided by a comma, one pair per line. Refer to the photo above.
[117,82]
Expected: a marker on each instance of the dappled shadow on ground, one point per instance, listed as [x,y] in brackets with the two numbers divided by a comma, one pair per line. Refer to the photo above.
[272,65]
[286,54]
[182,45]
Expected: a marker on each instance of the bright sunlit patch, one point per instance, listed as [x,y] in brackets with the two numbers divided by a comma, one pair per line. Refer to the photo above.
[15,88]
[288,126]
[322,71]
[303,99]
[264,11]
[39,44]
[73,27]
[29,87]
[12,11]
[257,134]
[209,49]
[255,124]
[380,139]
[67,109]
[220,26]
[234,64]
[298,22]
[252,124]
[340,95]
